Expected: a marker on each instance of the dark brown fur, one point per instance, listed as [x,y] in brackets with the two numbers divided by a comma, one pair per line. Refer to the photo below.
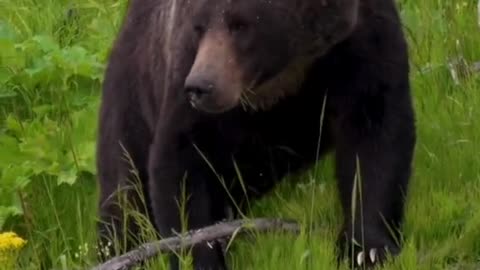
[287,56]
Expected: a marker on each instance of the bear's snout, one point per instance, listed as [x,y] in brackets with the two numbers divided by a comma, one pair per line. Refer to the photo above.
[208,95]
[214,83]
[205,96]
[198,91]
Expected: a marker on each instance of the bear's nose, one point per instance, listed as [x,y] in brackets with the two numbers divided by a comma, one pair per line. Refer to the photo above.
[196,91]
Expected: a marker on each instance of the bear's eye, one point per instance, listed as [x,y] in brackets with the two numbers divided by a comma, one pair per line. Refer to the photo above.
[199,29]
[237,26]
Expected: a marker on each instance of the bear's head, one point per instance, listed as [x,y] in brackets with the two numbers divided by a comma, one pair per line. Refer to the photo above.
[253,52]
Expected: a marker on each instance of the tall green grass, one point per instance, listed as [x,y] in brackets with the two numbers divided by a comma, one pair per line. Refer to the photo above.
[52,55]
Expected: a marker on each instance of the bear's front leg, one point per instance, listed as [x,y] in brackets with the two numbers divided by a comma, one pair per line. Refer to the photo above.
[178,173]
[373,166]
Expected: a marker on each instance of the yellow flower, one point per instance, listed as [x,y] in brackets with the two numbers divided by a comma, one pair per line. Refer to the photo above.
[10,245]
[9,241]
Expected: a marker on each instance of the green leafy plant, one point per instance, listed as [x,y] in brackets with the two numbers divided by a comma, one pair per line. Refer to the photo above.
[50,113]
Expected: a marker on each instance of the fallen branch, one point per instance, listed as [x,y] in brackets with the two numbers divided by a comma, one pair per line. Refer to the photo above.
[189,239]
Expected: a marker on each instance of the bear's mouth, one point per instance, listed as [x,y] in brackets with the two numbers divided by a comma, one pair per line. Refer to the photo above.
[213,105]
[270,88]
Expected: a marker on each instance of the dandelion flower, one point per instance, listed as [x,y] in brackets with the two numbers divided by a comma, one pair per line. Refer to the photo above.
[10,244]
[9,241]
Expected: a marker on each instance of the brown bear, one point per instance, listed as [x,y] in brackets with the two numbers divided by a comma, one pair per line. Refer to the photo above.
[196,90]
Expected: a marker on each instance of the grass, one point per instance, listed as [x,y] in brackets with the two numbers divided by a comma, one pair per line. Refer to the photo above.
[51,64]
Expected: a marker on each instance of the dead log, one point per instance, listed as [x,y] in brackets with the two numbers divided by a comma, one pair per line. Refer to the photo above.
[191,238]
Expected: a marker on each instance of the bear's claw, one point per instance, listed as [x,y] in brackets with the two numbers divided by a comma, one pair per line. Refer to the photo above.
[372,255]
[360,258]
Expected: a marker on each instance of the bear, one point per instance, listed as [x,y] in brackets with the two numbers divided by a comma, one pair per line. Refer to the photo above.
[197,91]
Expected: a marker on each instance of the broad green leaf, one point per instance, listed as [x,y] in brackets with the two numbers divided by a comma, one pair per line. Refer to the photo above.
[10,152]
[15,177]
[86,156]
[46,43]
[13,125]
[7,212]
[67,177]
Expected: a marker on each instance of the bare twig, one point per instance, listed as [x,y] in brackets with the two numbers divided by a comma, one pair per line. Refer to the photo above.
[206,234]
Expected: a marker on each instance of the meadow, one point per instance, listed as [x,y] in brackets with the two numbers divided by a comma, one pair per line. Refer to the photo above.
[52,57]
